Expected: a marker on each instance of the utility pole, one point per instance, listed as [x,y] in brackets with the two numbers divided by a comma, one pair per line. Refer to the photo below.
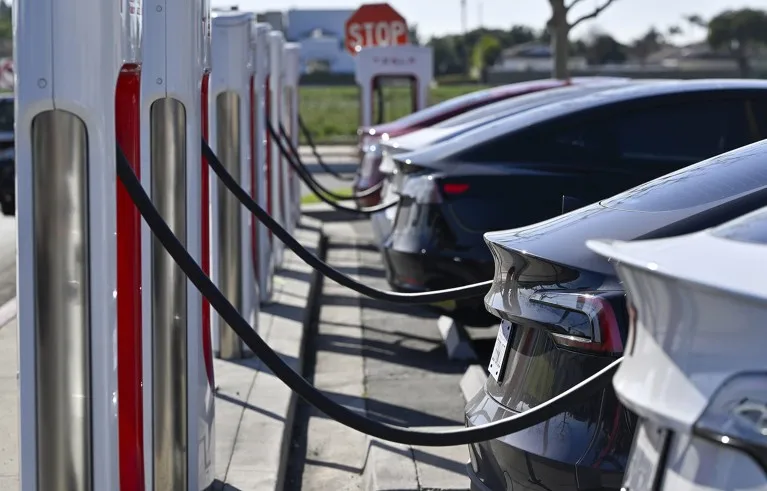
[463,16]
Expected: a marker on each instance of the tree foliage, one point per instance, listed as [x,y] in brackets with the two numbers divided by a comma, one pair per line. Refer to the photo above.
[740,32]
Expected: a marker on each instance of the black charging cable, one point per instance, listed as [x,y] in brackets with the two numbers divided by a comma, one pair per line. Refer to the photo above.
[420,298]
[308,136]
[315,187]
[297,159]
[578,394]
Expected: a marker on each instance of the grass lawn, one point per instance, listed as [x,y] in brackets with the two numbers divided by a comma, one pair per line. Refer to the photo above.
[312,198]
[332,113]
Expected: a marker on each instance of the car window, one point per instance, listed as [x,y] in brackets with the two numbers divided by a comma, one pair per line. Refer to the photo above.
[756,113]
[751,228]
[516,104]
[725,176]
[681,132]
[6,115]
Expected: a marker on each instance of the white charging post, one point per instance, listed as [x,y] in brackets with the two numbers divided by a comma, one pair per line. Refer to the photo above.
[277,171]
[381,62]
[178,405]
[230,139]
[67,56]
[262,253]
[292,67]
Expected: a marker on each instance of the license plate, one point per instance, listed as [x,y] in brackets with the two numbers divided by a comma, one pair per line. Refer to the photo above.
[646,457]
[500,351]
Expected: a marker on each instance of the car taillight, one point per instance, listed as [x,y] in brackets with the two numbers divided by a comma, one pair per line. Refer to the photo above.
[371,162]
[454,188]
[579,320]
[737,415]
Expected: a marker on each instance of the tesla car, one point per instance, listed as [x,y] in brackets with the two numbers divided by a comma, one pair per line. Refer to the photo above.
[7,156]
[702,405]
[547,160]
[453,127]
[368,176]
[564,317]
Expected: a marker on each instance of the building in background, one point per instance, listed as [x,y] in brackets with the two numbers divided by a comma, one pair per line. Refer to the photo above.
[320,34]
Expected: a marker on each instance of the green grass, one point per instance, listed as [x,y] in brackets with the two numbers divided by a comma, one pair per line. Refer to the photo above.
[312,198]
[332,113]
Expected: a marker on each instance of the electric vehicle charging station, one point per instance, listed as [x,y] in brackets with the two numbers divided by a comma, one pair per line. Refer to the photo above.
[128,249]
[261,252]
[66,216]
[277,172]
[231,134]
[377,63]
[178,398]
[292,80]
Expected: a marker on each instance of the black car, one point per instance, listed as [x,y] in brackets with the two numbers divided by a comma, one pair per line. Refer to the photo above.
[7,156]
[548,160]
[564,318]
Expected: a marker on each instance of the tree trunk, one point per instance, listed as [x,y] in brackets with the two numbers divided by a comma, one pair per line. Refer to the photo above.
[560,45]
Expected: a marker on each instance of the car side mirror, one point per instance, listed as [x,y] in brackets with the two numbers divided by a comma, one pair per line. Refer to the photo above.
[569,204]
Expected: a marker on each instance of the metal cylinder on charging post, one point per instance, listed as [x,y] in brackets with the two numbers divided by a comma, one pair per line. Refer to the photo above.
[261,245]
[178,406]
[277,171]
[67,55]
[230,130]
[292,65]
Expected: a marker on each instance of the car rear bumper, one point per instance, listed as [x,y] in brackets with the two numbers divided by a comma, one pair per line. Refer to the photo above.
[554,455]
[428,271]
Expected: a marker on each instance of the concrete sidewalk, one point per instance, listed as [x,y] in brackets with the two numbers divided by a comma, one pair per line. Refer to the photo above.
[383,361]
[9,407]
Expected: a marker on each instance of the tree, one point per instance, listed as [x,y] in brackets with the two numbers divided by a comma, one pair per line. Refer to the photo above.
[740,32]
[484,55]
[559,28]
[647,45]
[603,49]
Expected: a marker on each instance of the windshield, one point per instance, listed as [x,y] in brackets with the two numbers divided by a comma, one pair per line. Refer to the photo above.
[726,176]
[455,103]
[519,104]
[6,115]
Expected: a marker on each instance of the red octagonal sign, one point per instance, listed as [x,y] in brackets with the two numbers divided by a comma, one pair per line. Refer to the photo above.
[375,24]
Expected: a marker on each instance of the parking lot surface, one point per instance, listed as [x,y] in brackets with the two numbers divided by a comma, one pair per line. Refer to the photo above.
[385,361]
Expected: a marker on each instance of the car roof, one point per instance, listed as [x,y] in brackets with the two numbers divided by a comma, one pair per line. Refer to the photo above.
[622,93]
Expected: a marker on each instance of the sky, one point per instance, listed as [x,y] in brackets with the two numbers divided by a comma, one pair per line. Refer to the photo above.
[625,20]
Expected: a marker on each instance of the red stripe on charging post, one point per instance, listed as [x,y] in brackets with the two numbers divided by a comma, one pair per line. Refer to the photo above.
[253,177]
[207,345]
[129,344]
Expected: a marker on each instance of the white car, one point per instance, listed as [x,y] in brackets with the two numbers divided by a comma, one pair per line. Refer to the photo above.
[695,365]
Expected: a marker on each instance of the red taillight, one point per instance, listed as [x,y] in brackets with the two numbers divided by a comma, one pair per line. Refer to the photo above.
[579,320]
[454,188]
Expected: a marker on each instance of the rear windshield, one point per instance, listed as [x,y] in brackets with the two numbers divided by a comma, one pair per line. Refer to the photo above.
[726,176]
[453,104]
[517,104]
[751,228]
[6,114]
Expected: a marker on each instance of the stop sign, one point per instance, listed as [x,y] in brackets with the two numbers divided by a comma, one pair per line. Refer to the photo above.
[375,24]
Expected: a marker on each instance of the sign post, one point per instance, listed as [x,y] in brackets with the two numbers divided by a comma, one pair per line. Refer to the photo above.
[375,24]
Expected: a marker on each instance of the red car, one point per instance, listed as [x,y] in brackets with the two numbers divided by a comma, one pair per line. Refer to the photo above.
[368,174]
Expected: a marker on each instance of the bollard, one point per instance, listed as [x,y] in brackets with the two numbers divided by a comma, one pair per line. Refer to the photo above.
[67,56]
[277,172]
[230,99]
[292,65]
[129,366]
[178,405]
[261,245]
